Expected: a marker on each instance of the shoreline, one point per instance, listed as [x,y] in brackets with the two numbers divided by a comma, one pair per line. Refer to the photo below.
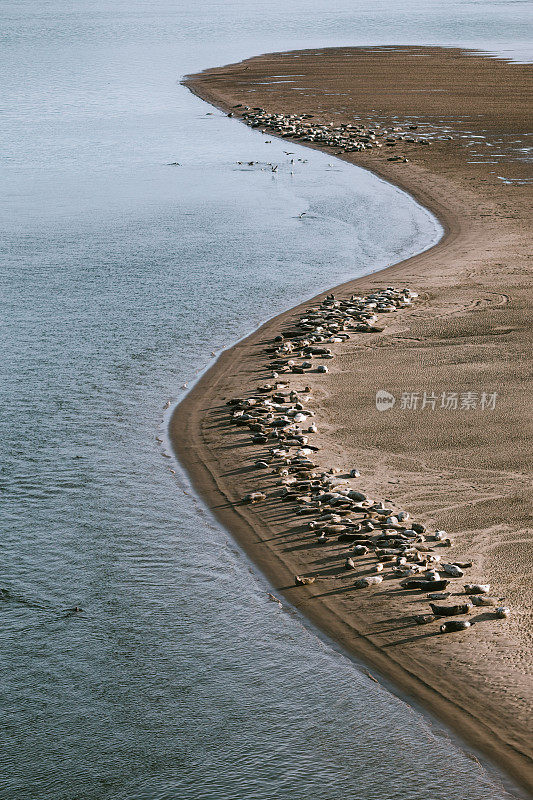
[212,478]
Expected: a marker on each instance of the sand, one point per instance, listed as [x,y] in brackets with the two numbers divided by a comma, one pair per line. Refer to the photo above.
[470,331]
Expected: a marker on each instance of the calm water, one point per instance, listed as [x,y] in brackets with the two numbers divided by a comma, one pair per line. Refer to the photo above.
[120,276]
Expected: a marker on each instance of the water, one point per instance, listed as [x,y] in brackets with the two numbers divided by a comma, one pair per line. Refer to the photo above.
[120,276]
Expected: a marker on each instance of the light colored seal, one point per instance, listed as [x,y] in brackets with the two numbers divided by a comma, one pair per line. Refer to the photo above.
[477,588]
[361,583]
[451,569]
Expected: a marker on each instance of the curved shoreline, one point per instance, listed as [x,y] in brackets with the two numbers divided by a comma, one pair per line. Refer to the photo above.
[210,476]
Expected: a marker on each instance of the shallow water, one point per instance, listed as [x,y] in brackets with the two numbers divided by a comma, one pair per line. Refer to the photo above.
[120,276]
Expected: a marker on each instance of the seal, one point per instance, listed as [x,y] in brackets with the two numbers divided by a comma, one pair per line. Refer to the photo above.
[254,497]
[483,600]
[361,583]
[451,569]
[454,625]
[346,536]
[451,611]
[502,612]
[422,585]
[477,588]
[423,619]
[301,580]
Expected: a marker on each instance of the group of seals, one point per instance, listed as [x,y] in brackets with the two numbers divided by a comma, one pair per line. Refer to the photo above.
[345,138]
[280,419]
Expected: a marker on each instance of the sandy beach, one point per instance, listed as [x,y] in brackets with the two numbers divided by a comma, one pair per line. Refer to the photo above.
[464,470]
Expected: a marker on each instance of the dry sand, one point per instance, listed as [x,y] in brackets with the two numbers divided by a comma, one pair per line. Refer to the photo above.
[464,471]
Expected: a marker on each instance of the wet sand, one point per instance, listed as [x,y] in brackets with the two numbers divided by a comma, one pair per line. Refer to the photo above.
[462,470]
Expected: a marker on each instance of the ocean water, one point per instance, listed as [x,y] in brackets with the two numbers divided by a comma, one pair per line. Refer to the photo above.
[121,275]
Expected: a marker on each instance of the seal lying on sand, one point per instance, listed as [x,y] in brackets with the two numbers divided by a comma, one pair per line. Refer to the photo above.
[451,611]
[483,600]
[254,497]
[300,580]
[477,588]
[453,625]
[502,612]
[370,581]
[423,619]
[422,585]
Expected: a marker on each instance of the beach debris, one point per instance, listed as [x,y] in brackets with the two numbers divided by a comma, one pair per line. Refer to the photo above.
[274,599]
